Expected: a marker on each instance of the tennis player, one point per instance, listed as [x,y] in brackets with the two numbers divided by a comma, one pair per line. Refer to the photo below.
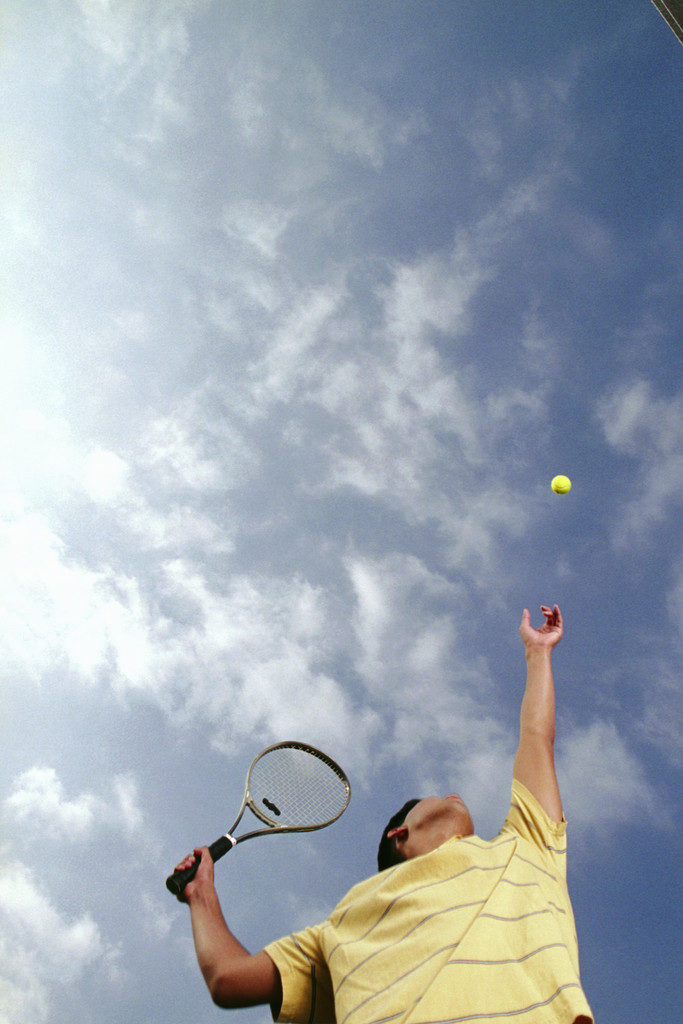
[451,928]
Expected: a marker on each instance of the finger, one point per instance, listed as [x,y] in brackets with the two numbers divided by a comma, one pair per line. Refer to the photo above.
[203,859]
[550,614]
[185,863]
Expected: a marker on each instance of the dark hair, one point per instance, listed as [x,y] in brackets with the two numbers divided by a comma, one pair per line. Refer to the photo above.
[388,853]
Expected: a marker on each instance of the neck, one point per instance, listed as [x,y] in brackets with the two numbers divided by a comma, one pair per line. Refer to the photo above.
[426,842]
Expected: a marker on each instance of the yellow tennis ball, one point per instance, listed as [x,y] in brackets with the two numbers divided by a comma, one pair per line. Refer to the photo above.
[561,484]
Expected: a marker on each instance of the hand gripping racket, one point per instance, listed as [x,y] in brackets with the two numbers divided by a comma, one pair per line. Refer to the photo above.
[291,787]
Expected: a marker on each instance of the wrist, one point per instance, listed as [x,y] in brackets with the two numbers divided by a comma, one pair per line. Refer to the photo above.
[200,892]
[537,652]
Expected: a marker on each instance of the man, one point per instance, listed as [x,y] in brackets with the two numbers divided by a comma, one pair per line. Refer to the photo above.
[452,928]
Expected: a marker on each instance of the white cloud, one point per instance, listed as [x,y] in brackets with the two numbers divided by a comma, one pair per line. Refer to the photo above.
[473,535]
[604,785]
[394,404]
[157,920]
[18,207]
[662,720]
[130,36]
[287,101]
[358,125]
[511,113]
[255,663]
[177,528]
[293,356]
[438,706]
[179,452]
[105,476]
[38,800]
[111,28]
[648,429]
[402,425]
[127,809]
[248,657]
[433,293]
[41,457]
[39,803]
[392,598]
[247,104]
[199,444]
[56,610]
[408,432]
[259,225]
[137,52]
[41,949]
[23,998]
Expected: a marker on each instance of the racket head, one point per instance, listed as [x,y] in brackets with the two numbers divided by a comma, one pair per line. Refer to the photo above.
[293,786]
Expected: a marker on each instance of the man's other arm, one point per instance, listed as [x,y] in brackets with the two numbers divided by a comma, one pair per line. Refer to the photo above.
[534,764]
[235,978]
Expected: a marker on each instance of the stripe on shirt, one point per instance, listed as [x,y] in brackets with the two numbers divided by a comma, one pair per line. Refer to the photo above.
[314,980]
[410,892]
[531,864]
[384,876]
[512,960]
[519,917]
[552,849]
[494,1014]
[390,945]
[396,981]
[533,885]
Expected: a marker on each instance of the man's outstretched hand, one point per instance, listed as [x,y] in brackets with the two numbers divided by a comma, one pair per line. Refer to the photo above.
[549,634]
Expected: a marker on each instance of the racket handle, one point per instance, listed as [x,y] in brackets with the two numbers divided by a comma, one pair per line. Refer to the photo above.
[176,882]
[221,847]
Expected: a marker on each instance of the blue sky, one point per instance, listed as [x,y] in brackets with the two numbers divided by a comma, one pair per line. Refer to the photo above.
[304,305]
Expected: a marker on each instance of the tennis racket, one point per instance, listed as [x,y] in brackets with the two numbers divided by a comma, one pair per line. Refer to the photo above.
[290,787]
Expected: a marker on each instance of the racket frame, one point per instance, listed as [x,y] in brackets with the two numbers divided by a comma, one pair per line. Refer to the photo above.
[177,881]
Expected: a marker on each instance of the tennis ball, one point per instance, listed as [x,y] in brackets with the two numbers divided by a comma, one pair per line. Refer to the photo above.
[561,484]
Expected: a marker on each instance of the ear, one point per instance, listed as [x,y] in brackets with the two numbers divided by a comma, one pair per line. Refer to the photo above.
[400,834]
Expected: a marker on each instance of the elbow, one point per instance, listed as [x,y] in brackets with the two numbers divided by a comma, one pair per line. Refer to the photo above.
[539,734]
[240,981]
[227,993]
[223,1000]
[223,995]
[218,998]
[223,1003]
[220,990]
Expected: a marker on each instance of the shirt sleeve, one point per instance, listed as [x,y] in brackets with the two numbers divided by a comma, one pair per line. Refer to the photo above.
[306,984]
[526,818]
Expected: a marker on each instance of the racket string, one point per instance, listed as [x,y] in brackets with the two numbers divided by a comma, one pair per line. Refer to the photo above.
[305,788]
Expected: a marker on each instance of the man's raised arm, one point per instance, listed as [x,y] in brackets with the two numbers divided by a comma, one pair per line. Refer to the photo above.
[534,763]
[234,977]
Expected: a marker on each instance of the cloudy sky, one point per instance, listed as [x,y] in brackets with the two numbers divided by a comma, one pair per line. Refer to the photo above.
[303,305]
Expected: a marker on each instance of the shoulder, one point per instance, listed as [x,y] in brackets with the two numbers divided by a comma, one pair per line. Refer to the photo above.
[529,821]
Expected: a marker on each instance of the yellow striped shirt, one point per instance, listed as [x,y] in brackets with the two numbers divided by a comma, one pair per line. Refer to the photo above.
[474,931]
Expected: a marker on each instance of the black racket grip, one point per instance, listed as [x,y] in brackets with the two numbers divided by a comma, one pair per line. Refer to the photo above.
[176,882]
